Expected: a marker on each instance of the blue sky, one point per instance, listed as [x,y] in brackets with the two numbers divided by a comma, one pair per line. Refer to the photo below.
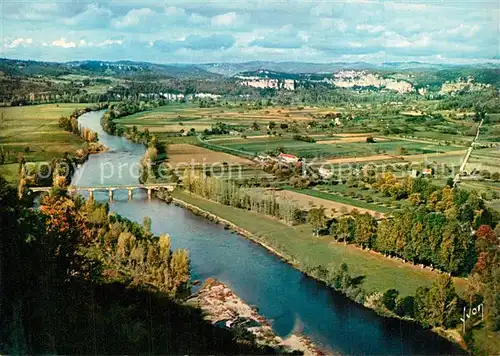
[236,31]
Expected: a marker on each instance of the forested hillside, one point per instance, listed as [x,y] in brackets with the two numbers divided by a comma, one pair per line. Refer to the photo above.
[76,280]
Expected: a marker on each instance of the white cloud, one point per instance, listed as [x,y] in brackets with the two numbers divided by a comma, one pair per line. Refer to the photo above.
[464,30]
[175,11]
[133,17]
[329,23]
[62,42]
[322,29]
[18,42]
[406,6]
[322,9]
[370,28]
[109,43]
[226,19]
[394,40]
[30,11]
[304,36]
[105,43]
[197,19]
[93,16]
[355,44]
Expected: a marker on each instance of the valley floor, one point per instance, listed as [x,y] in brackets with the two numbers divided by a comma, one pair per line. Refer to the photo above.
[297,245]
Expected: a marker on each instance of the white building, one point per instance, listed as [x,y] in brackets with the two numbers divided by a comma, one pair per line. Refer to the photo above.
[325,173]
[286,158]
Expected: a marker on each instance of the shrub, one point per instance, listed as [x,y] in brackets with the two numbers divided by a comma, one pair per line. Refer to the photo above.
[389,298]
[405,306]
[373,300]
[304,138]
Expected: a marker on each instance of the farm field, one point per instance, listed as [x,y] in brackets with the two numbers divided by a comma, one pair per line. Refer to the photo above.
[440,139]
[34,132]
[305,197]
[10,171]
[401,159]
[189,154]
[342,193]
[345,139]
[297,243]
[484,159]
[481,185]
[340,150]
[174,127]
[191,114]
[495,204]
[452,138]
[452,158]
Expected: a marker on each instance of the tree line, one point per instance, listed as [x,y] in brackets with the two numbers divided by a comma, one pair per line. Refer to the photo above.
[232,194]
[437,305]
[156,152]
[435,229]
[70,123]
[440,233]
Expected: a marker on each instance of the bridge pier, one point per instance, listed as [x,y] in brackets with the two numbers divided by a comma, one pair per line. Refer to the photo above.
[111,188]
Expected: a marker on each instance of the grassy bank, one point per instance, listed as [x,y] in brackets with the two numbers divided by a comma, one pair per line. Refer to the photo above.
[33,131]
[297,244]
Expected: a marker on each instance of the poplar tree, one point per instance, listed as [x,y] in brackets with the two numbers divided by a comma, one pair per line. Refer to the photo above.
[317,218]
[365,227]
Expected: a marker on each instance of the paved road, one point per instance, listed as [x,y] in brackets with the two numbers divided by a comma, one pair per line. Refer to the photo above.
[469,151]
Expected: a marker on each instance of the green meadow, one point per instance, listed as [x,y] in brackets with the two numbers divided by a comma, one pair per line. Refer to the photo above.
[297,243]
[33,132]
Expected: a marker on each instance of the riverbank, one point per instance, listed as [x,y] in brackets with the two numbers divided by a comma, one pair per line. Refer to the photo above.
[297,246]
[280,239]
[226,310]
[229,225]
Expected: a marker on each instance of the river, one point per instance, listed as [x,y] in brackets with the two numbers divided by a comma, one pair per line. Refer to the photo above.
[288,299]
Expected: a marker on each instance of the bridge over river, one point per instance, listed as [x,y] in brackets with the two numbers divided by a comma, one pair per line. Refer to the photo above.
[111,188]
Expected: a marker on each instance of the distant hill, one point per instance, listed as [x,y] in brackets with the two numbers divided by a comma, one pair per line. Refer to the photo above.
[231,69]
[418,73]
[121,69]
[269,74]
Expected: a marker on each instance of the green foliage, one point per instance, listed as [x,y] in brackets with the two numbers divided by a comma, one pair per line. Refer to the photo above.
[364,229]
[389,298]
[317,218]
[81,281]
[437,306]
[436,234]
[343,229]
[146,223]
[229,193]
[405,307]
[304,138]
